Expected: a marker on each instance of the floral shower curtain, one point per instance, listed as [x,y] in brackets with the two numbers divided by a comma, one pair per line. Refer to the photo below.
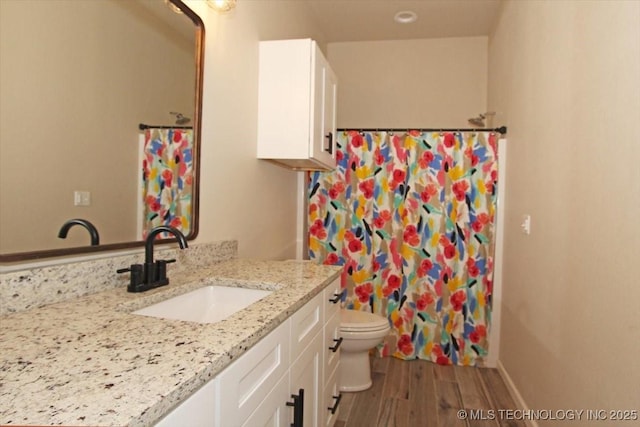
[167,177]
[410,216]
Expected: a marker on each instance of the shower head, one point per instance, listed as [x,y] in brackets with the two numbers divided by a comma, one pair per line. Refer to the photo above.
[480,120]
[180,119]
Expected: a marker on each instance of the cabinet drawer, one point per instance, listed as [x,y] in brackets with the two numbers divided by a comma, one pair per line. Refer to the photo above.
[331,341]
[332,298]
[305,324]
[243,385]
[331,400]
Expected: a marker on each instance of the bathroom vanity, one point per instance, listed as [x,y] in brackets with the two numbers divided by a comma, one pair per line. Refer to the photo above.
[91,361]
[291,371]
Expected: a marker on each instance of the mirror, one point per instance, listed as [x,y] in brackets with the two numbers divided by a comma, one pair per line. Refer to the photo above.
[77,78]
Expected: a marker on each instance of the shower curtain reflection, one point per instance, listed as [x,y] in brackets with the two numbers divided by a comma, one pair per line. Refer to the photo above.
[167,179]
[410,216]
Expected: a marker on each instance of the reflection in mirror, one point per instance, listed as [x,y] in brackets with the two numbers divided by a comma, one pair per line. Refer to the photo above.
[93,231]
[77,78]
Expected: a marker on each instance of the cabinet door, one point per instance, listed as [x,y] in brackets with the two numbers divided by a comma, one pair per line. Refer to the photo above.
[329,111]
[273,411]
[332,299]
[306,374]
[243,385]
[331,400]
[285,98]
[332,343]
[197,411]
[322,144]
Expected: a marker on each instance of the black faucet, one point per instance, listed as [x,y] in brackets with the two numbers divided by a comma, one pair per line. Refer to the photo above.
[93,231]
[152,274]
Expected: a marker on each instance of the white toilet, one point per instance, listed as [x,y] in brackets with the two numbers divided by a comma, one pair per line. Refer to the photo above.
[360,332]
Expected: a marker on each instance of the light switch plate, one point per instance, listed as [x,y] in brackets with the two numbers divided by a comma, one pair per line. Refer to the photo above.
[81,198]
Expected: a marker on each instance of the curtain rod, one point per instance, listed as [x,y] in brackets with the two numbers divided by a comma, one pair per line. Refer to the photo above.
[501,129]
[142,126]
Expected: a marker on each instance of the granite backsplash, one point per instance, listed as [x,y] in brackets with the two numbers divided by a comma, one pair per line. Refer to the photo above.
[35,287]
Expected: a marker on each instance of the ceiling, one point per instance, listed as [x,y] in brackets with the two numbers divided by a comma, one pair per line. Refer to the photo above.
[366,20]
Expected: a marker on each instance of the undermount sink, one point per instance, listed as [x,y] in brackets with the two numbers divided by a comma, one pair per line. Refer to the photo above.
[209,304]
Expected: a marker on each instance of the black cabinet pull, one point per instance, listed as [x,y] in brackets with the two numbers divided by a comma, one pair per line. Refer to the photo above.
[329,148]
[337,346]
[336,298]
[334,408]
[298,408]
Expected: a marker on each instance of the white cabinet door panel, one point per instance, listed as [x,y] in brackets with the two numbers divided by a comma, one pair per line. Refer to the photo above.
[198,410]
[243,385]
[306,374]
[305,324]
[332,343]
[273,411]
[330,400]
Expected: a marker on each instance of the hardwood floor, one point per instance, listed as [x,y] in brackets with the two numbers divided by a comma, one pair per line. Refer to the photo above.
[418,393]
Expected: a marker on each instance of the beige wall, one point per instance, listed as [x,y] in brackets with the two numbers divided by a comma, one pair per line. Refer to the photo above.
[410,83]
[241,197]
[565,77]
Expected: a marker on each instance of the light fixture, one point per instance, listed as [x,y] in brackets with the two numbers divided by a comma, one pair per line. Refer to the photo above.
[173,7]
[405,17]
[222,5]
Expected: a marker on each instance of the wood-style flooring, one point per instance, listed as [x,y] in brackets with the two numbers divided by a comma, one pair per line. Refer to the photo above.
[418,393]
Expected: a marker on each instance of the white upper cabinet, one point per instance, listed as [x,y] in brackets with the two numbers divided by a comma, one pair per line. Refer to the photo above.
[296,105]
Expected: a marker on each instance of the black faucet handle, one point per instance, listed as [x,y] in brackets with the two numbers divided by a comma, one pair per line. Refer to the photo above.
[133,268]
[137,276]
[161,271]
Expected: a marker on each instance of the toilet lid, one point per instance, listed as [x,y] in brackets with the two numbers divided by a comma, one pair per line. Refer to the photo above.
[354,320]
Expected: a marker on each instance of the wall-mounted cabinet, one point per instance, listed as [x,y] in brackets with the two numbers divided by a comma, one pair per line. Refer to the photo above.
[296,105]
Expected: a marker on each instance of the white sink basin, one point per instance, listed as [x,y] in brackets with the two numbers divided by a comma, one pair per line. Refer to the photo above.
[209,304]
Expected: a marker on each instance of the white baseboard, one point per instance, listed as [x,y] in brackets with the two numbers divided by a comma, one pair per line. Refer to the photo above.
[515,394]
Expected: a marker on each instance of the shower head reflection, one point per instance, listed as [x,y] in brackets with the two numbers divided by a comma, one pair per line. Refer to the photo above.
[180,118]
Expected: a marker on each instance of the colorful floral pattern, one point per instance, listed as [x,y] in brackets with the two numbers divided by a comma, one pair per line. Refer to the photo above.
[410,216]
[167,173]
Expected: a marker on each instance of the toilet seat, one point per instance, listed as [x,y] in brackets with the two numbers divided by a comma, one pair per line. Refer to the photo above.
[360,321]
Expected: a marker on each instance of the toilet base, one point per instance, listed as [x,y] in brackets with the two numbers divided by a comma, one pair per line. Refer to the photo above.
[355,371]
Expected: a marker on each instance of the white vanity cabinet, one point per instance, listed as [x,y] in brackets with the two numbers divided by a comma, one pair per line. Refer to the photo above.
[306,360]
[258,389]
[296,105]
[331,336]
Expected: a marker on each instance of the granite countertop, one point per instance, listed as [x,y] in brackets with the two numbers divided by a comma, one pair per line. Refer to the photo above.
[90,362]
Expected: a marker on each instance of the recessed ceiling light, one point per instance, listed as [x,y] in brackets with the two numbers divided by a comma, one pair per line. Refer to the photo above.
[405,17]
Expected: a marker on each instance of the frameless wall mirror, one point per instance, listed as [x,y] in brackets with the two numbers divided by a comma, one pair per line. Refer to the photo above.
[77,78]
